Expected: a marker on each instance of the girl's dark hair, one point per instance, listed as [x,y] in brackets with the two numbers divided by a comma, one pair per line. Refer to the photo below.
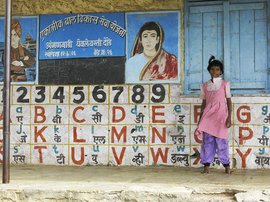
[213,62]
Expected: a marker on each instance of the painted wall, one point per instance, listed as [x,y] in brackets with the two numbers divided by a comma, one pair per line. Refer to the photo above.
[48,126]
[105,125]
[24,7]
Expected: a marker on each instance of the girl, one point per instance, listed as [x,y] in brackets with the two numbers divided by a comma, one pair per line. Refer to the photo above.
[215,117]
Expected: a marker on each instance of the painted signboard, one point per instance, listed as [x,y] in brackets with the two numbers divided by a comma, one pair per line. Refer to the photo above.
[82,35]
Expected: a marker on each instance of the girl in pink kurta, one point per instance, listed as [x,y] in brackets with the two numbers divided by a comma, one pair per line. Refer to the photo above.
[215,117]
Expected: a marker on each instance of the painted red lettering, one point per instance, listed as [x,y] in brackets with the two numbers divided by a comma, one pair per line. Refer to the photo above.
[39,113]
[74,115]
[243,117]
[81,160]
[158,154]
[155,114]
[161,137]
[244,156]
[197,113]
[38,133]
[123,132]
[114,112]
[118,159]
[75,136]
[242,138]
[40,148]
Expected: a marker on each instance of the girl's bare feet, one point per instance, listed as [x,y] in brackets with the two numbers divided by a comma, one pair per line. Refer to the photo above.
[228,170]
[205,169]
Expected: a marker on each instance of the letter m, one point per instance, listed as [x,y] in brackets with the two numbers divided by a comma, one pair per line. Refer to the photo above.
[123,132]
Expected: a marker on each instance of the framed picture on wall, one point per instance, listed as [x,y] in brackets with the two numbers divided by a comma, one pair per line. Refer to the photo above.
[153,42]
[23,51]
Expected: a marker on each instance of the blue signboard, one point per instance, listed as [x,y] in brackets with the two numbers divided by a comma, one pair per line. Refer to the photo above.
[82,35]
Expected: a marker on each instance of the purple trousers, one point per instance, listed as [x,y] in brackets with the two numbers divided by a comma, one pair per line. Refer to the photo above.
[212,145]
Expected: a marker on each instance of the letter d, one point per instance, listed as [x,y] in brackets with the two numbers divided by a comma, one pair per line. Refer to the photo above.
[120,111]
[134,110]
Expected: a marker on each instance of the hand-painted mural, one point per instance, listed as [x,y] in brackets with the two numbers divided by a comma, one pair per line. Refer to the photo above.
[23,49]
[139,125]
[89,105]
[96,48]
[152,48]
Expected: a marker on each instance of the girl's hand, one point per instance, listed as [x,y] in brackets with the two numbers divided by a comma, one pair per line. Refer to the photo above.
[228,122]
[196,132]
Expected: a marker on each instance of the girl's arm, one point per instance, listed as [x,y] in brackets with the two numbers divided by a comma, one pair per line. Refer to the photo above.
[229,105]
[196,132]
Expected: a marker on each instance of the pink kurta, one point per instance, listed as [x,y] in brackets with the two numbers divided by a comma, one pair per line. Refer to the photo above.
[213,120]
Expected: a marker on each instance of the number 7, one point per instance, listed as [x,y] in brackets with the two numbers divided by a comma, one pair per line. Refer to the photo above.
[120,89]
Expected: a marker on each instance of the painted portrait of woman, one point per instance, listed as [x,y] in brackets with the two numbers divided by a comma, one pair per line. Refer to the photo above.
[149,61]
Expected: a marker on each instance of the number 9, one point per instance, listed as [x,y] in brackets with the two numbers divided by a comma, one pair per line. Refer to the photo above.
[158,90]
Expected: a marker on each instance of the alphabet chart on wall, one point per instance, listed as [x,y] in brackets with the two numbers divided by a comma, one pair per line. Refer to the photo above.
[138,125]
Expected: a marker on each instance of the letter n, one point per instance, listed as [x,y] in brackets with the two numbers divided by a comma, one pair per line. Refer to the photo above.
[161,137]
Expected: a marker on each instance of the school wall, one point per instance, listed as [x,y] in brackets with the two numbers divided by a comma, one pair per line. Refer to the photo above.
[24,7]
[154,132]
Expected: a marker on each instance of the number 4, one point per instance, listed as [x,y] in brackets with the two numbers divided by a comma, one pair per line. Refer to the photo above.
[59,94]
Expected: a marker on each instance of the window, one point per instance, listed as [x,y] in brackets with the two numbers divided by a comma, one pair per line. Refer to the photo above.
[235,32]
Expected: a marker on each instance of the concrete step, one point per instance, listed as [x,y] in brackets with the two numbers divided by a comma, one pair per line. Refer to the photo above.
[58,183]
